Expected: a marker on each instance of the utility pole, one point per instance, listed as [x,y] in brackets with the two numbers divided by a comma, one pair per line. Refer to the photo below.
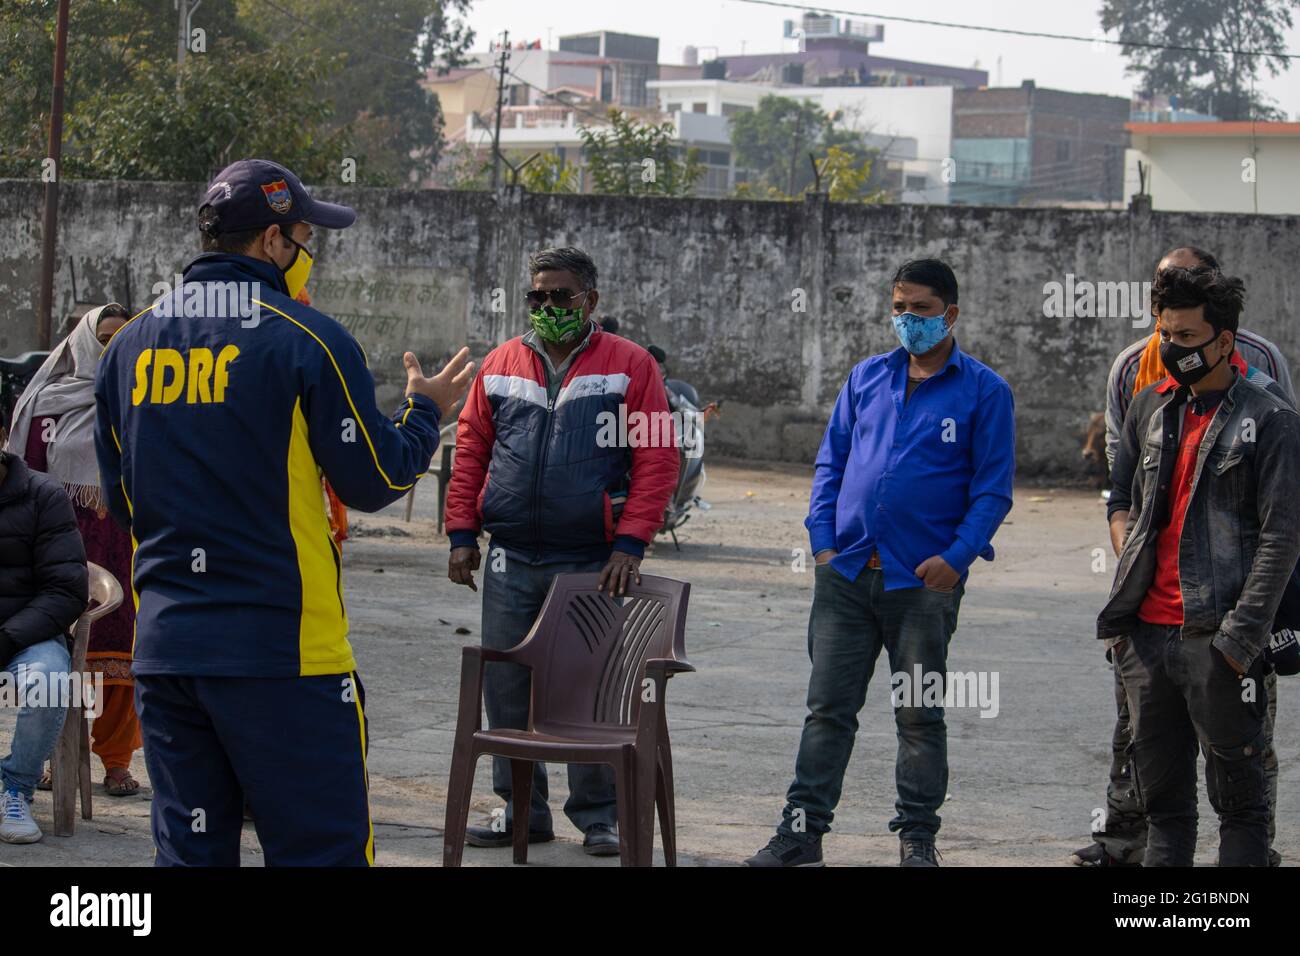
[501,94]
[182,43]
[54,153]
[794,154]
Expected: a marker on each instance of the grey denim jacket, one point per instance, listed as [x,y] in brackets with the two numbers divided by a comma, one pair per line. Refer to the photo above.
[1241,532]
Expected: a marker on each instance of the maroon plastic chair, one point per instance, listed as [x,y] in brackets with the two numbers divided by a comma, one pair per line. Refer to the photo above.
[600,668]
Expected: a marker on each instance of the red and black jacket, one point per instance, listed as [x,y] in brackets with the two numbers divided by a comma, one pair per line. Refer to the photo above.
[541,476]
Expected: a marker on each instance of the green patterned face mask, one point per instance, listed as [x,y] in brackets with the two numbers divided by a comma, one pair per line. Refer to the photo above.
[557,326]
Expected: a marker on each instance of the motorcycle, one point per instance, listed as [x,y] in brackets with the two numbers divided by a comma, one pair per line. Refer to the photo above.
[691,414]
[15,373]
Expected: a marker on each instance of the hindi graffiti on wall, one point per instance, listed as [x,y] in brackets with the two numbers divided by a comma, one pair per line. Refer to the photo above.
[392,310]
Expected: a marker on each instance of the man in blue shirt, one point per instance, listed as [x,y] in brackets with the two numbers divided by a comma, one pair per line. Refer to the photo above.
[913,478]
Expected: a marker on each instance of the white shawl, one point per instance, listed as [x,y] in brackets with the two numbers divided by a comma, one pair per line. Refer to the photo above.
[65,386]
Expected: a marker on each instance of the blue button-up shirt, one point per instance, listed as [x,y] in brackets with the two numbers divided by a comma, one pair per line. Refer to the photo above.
[912,478]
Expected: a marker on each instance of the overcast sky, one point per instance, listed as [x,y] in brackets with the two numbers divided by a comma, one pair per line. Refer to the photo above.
[734,27]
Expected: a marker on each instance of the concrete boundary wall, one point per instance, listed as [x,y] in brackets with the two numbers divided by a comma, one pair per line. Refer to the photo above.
[716,283]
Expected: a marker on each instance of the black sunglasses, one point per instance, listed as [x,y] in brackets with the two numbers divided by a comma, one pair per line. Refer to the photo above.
[560,298]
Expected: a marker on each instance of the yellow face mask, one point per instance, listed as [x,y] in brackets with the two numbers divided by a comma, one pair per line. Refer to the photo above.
[295,276]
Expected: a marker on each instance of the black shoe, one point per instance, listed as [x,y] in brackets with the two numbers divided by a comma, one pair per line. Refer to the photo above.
[600,839]
[1094,854]
[917,852]
[491,839]
[785,850]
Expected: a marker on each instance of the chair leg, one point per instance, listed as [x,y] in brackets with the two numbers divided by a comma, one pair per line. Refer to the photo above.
[625,793]
[460,788]
[645,778]
[83,768]
[63,774]
[664,801]
[521,787]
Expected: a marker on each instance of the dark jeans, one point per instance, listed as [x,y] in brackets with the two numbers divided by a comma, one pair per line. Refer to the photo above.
[512,599]
[1125,833]
[849,624]
[1183,696]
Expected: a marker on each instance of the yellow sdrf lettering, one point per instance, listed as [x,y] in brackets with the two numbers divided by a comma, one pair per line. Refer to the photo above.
[163,374]
[163,392]
[141,376]
[222,377]
[200,372]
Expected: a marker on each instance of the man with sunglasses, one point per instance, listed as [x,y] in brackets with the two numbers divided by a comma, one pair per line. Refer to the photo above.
[536,471]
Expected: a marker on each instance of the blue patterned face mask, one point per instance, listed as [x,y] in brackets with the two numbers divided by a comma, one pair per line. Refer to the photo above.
[920,333]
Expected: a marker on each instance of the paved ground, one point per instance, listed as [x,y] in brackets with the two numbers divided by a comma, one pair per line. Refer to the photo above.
[1022,785]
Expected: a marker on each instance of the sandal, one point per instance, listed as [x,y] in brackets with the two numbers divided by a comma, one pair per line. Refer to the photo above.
[118,782]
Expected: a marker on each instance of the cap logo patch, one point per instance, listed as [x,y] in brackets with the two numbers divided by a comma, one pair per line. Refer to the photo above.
[226,188]
[277,194]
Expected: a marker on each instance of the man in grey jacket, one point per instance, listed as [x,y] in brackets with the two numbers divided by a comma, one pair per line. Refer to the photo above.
[1210,544]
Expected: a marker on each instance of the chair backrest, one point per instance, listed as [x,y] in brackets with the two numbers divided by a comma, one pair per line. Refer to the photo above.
[105,596]
[588,650]
[105,592]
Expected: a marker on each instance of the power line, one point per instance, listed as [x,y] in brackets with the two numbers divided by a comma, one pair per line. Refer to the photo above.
[1022,33]
[573,106]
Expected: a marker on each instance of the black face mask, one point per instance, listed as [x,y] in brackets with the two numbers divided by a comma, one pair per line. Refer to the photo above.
[1186,363]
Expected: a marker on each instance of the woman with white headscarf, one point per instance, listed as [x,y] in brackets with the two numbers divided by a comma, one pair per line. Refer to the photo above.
[54,431]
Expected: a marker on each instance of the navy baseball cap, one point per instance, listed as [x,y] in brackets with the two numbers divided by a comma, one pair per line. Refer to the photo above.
[254,193]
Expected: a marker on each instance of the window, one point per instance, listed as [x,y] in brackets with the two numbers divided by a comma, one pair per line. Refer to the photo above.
[699,107]
[674,107]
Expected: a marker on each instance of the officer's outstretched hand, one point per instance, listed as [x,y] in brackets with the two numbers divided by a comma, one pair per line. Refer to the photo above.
[445,389]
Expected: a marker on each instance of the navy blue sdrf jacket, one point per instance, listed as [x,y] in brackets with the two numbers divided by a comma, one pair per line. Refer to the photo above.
[212,434]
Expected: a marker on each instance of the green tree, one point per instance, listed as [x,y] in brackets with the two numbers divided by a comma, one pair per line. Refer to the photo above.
[630,158]
[108,42]
[549,173]
[139,133]
[385,48]
[461,166]
[773,143]
[1217,83]
[845,176]
[307,83]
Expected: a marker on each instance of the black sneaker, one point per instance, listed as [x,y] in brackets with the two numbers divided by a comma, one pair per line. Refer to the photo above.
[783,850]
[489,838]
[917,852]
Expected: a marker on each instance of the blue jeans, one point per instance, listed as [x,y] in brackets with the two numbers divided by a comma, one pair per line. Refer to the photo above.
[850,622]
[512,599]
[37,727]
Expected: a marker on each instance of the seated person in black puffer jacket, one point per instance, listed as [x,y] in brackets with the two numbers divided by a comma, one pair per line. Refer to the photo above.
[43,590]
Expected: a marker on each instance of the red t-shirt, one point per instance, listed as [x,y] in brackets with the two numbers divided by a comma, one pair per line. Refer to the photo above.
[1164,601]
